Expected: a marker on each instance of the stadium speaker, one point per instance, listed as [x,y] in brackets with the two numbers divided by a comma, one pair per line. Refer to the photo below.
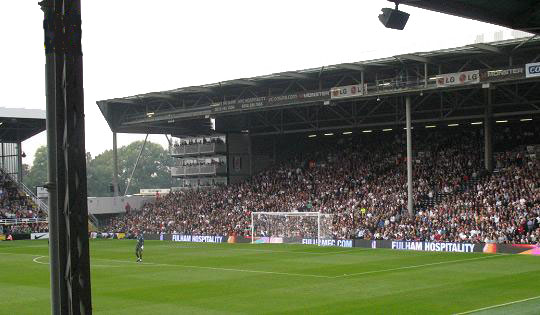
[393,18]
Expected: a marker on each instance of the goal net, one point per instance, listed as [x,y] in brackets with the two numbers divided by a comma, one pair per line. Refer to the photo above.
[291,227]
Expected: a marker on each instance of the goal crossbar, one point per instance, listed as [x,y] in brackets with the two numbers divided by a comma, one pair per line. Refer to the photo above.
[322,225]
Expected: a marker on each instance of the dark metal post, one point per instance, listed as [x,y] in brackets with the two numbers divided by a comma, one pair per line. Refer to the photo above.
[410,204]
[54,221]
[19,163]
[488,132]
[426,79]
[115,165]
[68,212]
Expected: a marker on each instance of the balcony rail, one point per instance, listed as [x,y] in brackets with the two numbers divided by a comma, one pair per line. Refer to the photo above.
[199,170]
[199,183]
[197,148]
[22,221]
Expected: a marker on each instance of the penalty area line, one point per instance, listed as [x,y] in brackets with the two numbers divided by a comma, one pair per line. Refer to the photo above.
[414,266]
[225,269]
[498,305]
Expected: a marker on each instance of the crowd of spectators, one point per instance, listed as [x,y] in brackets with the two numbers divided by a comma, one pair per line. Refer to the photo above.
[362,183]
[15,205]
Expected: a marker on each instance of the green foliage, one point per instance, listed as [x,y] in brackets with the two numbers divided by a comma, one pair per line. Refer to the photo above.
[152,171]
[37,175]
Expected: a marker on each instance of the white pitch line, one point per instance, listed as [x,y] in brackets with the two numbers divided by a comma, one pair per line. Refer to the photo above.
[292,252]
[414,266]
[224,269]
[278,251]
[39,262]
[36,260]
[498,305]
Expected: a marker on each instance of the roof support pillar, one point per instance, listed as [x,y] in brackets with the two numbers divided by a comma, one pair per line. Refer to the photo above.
[426,75]
[115,166]
[488,132]
[410,201]
[19,163]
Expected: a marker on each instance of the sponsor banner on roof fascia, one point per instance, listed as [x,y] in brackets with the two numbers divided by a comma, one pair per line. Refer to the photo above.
[458,78]
[198,238]
[39,236]
[532,70]
[502,74]
[346,91]
[256,102]
[327,242]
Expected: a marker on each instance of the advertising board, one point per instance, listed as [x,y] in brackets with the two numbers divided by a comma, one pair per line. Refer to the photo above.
[346,91]
[532,70]
[514,73]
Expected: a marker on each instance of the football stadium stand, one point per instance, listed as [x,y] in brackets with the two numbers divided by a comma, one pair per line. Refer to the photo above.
[361,180]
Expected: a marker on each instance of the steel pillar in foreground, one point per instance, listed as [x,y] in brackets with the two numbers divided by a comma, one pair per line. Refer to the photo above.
[410,201]
[68,212]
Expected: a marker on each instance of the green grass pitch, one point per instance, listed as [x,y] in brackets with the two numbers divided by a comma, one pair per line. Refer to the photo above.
[193,278]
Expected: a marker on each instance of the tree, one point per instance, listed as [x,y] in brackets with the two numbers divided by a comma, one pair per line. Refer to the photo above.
[152,171]
[37,176]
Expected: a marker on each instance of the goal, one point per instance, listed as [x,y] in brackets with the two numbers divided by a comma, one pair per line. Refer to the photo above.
[291,227]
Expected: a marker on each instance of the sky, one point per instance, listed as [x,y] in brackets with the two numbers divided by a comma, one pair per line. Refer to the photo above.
[137,46]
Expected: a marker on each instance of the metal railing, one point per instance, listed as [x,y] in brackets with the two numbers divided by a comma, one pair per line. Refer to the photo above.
[22,221]
[198,170]
[40,204]
[197,148]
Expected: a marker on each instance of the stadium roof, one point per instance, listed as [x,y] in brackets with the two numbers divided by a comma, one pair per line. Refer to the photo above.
[521,15]
[431,57]
[19,124]
[157,112]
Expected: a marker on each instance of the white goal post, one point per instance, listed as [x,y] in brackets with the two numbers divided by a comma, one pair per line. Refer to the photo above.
[290,227]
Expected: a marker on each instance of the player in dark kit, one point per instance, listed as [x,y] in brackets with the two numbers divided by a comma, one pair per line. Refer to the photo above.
[139,248]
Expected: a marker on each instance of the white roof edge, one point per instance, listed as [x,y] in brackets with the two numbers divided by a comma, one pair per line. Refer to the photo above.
[22,113]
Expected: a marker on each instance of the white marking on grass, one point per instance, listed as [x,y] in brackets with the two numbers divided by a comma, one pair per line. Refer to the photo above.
[36,260]
[223,269]
[498,305]
[278,251]
[294,252]
[414,266]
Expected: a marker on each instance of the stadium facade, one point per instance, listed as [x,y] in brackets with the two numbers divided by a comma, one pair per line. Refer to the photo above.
[482,83]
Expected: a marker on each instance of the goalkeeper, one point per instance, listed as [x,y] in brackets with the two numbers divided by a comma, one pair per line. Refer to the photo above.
[140,246]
